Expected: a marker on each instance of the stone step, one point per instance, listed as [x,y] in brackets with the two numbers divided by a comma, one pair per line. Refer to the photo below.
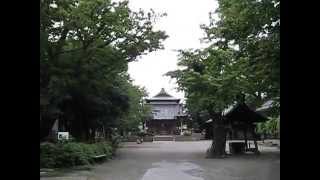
[186,138]
[163,138]
[148,138]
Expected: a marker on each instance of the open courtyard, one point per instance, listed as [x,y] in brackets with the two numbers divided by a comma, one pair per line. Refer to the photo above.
[169,160]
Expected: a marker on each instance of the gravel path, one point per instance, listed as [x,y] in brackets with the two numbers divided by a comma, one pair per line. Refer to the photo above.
[181,160]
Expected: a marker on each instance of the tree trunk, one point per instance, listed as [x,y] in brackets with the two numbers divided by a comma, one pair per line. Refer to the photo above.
[217,149]
[78,128]
[93,133]
[45,127]
[108,134]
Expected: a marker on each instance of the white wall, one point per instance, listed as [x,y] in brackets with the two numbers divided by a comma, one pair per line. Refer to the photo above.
[165,111]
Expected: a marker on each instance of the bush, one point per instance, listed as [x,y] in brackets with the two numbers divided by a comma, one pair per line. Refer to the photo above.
[72,154]
[270,128]
[48,152]
[187,133]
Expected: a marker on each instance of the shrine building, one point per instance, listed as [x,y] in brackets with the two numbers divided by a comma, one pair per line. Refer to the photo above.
[167,112]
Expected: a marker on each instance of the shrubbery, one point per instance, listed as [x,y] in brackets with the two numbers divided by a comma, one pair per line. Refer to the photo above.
[270,128]
[187,133]
[70,154]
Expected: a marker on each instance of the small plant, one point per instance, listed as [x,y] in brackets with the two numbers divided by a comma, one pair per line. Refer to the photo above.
[48,153]
[69,154]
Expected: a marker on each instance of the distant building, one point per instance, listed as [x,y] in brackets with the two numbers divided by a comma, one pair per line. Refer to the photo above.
[166,114]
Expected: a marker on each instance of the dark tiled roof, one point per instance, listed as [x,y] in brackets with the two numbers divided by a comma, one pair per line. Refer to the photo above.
[163,96]
[163,93]
[241,112]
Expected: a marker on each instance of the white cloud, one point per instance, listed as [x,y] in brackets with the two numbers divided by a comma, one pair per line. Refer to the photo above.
[182,24]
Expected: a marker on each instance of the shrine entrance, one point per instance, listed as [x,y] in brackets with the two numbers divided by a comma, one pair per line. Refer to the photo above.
[163,130]
[162,127]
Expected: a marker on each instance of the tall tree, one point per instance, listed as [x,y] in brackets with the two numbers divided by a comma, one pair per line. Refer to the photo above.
[253,27]
[211,81]
[241,63]
[85,49]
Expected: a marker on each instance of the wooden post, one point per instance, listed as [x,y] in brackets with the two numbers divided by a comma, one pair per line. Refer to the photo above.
[255,142]
[245,138]
[181,125]
[256,146]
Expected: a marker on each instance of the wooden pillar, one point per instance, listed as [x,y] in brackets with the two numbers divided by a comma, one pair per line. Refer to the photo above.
[181,126]
[256,150]
[255,146]
[245,138]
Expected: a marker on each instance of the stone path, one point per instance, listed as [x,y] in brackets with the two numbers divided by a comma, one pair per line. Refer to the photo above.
[180,160]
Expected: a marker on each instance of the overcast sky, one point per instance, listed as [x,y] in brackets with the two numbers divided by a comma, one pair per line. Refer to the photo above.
[182,24]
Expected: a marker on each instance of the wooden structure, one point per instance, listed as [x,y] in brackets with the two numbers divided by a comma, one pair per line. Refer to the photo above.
[241,123]
[166,114]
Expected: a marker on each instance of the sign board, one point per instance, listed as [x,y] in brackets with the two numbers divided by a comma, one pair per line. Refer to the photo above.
[63,135]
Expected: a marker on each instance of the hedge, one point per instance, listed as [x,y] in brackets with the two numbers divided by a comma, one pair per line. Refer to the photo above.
[58,155]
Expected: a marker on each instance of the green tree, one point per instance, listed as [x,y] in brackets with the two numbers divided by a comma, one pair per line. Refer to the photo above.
[240,64]
[138,110]
[85,47]
[253,27]
[211,81]
[270,128]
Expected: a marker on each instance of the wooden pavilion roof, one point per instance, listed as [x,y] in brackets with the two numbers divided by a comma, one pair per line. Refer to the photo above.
[242,113]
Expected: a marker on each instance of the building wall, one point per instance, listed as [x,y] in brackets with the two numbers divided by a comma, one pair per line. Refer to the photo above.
[165,111]
[164,117]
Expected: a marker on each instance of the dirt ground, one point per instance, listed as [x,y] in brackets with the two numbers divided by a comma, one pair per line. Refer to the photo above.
[181,160]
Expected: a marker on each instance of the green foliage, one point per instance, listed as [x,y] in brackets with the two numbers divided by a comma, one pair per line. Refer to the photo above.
[211,80]
[243,58]
[241,62]
[138,109]
[85,48]
[72,154]
[270,127]
[48,152]
[253,27]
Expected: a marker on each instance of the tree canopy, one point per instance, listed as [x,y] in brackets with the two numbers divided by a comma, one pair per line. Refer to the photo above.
[241,62]
[85,48]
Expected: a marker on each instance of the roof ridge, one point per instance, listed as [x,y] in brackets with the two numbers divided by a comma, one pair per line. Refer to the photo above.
[163,93]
